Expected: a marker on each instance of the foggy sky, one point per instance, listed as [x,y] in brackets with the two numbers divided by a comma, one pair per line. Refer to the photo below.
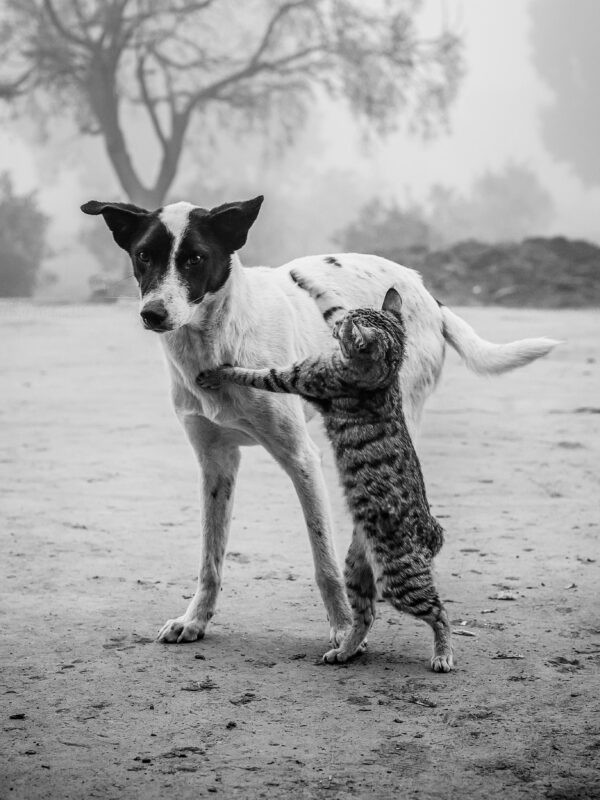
[494,120]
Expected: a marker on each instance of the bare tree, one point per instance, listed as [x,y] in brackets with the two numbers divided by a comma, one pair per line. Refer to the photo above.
[179,60]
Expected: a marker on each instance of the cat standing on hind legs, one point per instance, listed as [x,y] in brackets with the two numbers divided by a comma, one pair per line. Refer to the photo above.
[357,391]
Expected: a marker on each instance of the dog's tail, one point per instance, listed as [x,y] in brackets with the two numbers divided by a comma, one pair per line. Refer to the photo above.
[485,357]
[329,303]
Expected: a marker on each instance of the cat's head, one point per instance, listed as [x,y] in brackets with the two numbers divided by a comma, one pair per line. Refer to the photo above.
[372,341]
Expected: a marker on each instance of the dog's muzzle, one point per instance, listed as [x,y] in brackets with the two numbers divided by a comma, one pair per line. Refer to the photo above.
[155,316]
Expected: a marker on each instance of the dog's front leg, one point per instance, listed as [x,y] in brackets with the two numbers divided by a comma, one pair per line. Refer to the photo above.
[219,461]
[307,477]
[284,436]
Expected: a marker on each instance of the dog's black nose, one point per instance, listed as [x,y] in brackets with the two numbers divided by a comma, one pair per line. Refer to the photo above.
[154,315]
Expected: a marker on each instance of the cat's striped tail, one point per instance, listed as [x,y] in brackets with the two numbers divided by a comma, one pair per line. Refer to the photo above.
[329,303]
[485,357]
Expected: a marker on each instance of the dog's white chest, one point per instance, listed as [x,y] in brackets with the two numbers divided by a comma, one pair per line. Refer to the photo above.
[187,354]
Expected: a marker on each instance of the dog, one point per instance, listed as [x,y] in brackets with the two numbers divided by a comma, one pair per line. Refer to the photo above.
[210,310]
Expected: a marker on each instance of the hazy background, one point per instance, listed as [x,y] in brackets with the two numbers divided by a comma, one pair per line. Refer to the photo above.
[516,157]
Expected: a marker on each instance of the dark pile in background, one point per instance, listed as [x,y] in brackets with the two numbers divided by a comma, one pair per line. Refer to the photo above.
[544,273]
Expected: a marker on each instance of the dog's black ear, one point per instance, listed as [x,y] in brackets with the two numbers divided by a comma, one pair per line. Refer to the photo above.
[231,222]
[123,219]
[392,302]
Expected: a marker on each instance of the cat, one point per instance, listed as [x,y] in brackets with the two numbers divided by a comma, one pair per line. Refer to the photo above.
[356,389]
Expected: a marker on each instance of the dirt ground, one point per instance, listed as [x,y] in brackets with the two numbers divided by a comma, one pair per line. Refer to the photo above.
[100,540]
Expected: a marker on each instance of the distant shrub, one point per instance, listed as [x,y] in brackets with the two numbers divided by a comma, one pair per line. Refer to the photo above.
[501,206]
[382,230]
[22,241]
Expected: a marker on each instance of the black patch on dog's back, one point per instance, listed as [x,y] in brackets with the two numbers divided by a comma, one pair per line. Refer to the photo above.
[331,311]
[333,261]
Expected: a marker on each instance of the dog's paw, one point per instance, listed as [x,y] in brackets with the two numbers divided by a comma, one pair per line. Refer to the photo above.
[176,631]
[338,655]
[335,656]
[340,623]
[442,663]
[337,633]
[344,652]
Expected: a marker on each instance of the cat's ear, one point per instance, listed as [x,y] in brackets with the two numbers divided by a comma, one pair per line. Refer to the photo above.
[392,302]
[232,221]
[123,219]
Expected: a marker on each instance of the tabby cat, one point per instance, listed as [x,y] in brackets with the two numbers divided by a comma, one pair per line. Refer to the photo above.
[357,391]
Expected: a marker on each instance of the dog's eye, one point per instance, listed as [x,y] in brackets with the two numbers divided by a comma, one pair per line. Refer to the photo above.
[143,257]
[195,258]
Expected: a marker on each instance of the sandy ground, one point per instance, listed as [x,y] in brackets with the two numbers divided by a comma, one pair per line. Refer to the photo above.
[100,542]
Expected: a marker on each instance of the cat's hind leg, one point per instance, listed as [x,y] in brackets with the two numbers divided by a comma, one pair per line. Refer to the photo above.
[410,588]
[443,657]
[362,593]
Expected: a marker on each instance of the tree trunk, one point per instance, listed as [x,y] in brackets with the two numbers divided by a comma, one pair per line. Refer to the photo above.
[105,105]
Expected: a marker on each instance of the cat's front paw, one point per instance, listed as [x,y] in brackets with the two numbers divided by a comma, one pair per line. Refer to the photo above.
[210,379]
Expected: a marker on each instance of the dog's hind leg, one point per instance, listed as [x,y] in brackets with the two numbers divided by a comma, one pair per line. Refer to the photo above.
[290,445]
[219,461]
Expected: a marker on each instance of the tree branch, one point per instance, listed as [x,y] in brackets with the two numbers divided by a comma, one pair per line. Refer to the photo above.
[149,103]
[275,19]
[11,89]
[64,32]
[138,19]
[83,23]
[251,68]
[171,155]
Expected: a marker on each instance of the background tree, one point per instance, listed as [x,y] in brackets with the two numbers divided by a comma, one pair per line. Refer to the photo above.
[218,60]
[22,232]
[500,206]
[566,54]
[389,229]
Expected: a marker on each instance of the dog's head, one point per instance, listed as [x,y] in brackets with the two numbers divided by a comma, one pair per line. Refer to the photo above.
[180,253]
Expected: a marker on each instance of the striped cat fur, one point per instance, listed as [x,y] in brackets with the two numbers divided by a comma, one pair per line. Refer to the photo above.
[356,389]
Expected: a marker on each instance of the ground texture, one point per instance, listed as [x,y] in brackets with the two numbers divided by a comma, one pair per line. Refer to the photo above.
[100,539]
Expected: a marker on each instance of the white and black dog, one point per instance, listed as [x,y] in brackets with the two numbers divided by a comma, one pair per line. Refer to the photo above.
[210,310]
